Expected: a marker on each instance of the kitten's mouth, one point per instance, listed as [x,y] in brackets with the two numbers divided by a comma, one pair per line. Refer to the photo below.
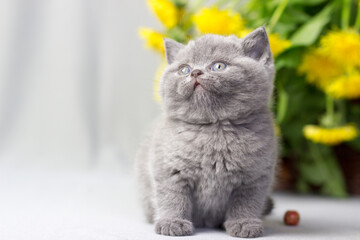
[196,84]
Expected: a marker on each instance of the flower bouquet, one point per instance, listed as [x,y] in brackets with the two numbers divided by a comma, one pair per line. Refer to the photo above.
[316,46]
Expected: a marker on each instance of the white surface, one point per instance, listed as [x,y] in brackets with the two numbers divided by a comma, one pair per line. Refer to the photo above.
[101,204]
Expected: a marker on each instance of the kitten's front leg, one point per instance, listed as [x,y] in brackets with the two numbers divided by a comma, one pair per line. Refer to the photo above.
[245,209]
[174,207]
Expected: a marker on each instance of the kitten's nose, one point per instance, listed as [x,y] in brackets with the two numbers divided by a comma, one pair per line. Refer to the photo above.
[196,73]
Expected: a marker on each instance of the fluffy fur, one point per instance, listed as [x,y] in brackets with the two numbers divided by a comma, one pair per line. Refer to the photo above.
[210,160]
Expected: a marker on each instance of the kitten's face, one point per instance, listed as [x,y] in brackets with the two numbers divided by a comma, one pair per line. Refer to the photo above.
[215,77]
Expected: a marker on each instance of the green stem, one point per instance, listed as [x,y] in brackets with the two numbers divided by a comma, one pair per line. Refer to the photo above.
[329,120]
[357,20]
[317,158]
[342,110]
[283,100]
[329,169]
[345,14]
[330,107]
[277,14]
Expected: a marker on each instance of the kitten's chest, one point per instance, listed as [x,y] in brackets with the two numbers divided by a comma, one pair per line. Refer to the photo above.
[211,192]
[216,148]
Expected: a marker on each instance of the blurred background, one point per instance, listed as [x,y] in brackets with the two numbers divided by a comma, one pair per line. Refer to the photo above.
[79,90]
[75,82]
[75,100]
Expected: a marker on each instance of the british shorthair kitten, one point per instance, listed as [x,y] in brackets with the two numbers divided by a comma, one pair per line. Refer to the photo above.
[210,161]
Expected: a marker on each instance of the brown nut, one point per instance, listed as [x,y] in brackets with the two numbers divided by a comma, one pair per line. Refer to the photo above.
[291,218]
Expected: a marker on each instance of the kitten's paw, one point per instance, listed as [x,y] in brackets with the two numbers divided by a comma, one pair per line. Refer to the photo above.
[174,227]
[244,228]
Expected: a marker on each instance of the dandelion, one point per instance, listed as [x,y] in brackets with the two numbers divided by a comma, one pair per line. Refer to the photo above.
[277,44]
[153,39]
[166,11]
[345,86]
[319,69]
[330,136]
[342,46]
[213,20]
[157,78]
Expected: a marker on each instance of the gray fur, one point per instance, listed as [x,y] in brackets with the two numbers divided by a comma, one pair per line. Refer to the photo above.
[211,158]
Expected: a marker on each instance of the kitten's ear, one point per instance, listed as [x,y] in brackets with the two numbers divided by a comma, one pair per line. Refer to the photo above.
[171,49]
[256,45]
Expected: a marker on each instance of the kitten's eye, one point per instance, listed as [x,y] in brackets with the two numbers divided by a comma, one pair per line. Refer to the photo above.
[184,70]
[219,66]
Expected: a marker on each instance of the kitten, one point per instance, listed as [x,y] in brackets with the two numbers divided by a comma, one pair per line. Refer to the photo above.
[210,161]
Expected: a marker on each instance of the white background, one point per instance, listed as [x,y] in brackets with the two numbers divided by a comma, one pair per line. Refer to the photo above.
[75,81]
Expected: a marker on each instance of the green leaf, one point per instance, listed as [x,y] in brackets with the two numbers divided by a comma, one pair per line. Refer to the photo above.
[180,3]
[284,28]
[307,2]
[310,31]
[355,144]
[177,34]
[294,16]
[282,104]
[310,173]
[302,186]
[290,58]
[327,166]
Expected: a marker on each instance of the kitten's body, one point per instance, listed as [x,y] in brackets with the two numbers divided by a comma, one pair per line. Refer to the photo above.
[209,168]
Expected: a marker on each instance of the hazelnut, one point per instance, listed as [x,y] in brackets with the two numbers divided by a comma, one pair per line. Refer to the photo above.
[291,218]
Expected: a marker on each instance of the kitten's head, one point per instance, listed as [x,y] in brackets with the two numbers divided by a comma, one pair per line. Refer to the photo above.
[215,77]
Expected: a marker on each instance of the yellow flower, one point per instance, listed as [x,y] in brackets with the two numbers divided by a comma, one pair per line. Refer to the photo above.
[319,69]
[166,11]
[342,46]
[213,20]
[157,78]
[332,66]
[154,40]
[330,136]
[278,44]
[345,86]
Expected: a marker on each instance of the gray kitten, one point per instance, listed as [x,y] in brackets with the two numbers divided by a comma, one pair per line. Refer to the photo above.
[210,161]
